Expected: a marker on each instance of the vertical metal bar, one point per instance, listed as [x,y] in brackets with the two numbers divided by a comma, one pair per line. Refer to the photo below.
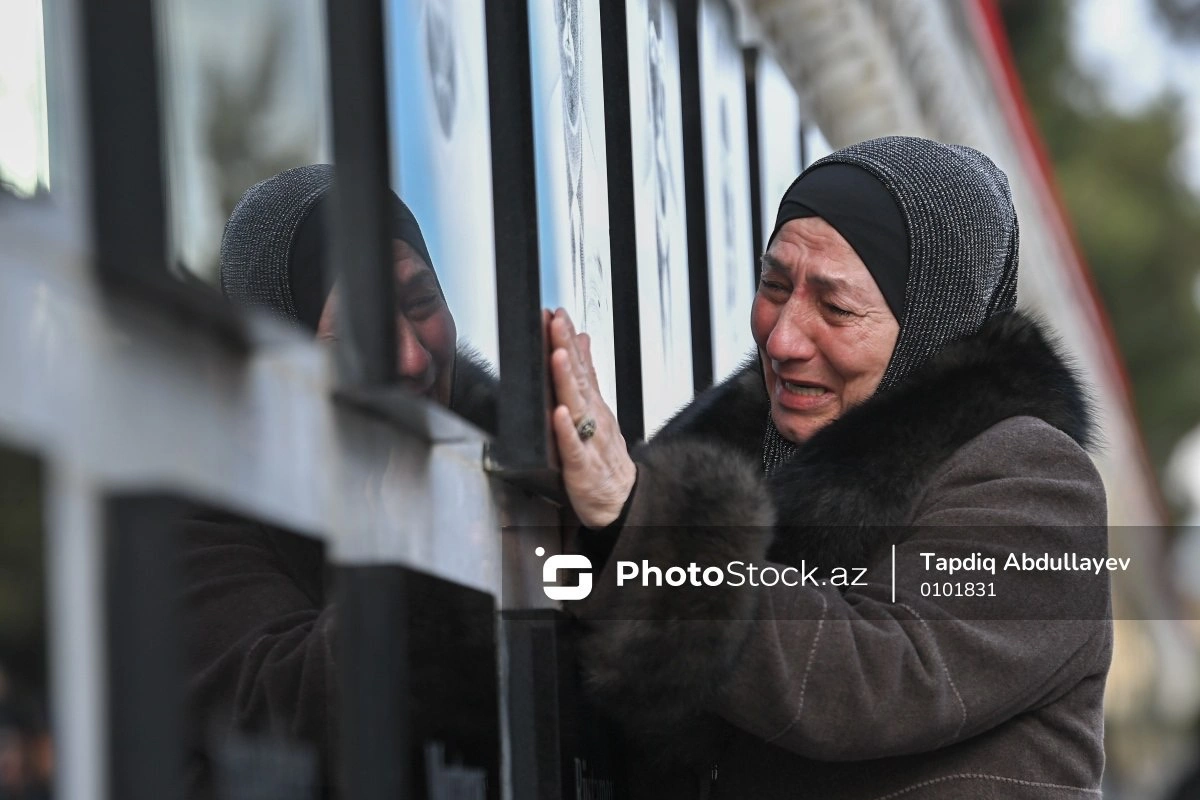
[362,247]
[627,337]
[524,437]
[76,620]
[125,159]
[694,189]
[751,61]
[374,750]
[145,657]
[532,698]
[125,147]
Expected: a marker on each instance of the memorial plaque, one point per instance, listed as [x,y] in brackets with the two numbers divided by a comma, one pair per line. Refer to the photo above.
[656,118]
[726,187]
[570,149]
[441,156]
[779,146]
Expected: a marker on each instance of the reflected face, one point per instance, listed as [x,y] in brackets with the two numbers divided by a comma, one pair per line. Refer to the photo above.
[425,331]
[824,332]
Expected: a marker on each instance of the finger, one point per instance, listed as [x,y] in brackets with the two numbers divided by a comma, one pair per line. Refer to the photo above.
[583,372]
[566,384]
[561,332]
[570,446]
[585,348]
[564,336]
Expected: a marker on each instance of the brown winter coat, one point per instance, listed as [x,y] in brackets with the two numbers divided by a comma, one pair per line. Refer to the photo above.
[839,693]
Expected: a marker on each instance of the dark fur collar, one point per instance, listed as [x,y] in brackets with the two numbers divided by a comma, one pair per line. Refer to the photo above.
[473,396]
[852,485]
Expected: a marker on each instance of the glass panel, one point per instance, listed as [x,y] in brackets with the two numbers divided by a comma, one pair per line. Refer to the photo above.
[657,121]
[258,658]
[441,154]
[727,187]
[26,745]
[24,144]
[243,98]
[572,175]
[264,640]
[816,146]
[778,142]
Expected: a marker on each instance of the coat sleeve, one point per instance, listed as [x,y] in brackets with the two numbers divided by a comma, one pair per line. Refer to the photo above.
[848,674]
[259,643]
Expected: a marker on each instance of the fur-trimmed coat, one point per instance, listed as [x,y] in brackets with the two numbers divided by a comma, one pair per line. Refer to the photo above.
[848,692]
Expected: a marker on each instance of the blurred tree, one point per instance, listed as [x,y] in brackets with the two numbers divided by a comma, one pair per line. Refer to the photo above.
[1136,220]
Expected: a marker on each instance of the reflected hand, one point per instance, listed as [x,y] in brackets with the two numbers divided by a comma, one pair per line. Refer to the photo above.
[596,468]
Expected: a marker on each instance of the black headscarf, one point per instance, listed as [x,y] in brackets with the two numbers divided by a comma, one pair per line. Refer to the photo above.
[864,213]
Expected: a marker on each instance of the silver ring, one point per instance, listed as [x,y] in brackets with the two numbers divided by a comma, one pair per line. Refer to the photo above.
[586,428]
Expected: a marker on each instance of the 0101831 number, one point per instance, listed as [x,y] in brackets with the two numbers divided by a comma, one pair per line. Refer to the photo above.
[954,589]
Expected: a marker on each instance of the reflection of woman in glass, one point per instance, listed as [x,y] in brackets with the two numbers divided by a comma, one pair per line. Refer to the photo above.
[258,619]
[272,254]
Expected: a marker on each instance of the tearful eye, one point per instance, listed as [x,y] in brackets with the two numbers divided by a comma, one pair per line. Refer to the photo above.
[422,305]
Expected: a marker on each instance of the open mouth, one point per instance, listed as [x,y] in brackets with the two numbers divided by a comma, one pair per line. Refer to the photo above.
[804,389]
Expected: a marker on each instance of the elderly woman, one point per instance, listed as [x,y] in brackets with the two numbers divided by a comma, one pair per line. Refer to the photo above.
[897,400]
[259,620]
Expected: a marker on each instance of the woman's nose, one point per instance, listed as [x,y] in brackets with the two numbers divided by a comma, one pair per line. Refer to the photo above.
[791,339]
[414,361]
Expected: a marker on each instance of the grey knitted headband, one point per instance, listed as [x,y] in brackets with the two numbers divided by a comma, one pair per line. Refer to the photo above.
[274,248]
[256,247]
[963,239]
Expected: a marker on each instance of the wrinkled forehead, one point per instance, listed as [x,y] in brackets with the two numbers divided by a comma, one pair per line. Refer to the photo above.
[408,262]
[815,248]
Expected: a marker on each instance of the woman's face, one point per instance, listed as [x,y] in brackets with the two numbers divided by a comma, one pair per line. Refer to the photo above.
[425,332]
[824,332]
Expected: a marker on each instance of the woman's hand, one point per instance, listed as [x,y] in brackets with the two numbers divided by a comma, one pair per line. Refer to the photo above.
[597,470]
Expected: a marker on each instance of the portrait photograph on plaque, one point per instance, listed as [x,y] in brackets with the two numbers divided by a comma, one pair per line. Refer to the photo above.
[726,186]
[656,119]
[571,175]
[441,153]
[779,152]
